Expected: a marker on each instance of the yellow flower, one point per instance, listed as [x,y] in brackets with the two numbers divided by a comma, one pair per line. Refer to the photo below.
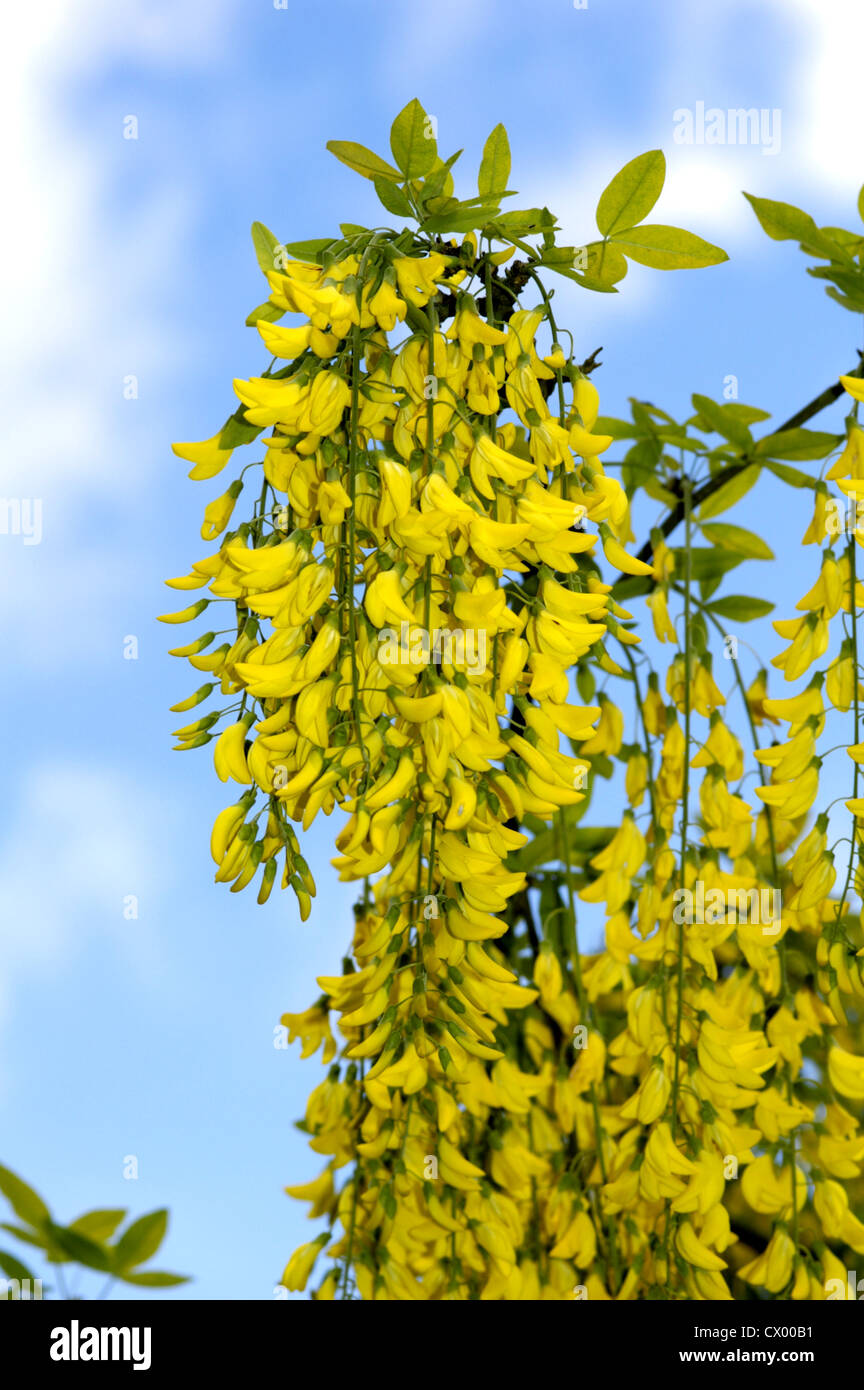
[333,502]
[301,1264]
[416,277]
[217,514]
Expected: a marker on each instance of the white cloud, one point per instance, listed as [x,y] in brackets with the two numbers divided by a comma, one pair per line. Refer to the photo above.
[86,288]
[78,287]
[827,86]
[815,90]
[819,126]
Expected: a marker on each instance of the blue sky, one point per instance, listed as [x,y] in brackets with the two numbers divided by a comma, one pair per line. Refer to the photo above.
[153,1036]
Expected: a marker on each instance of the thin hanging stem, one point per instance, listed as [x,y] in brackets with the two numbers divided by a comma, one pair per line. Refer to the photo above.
[685,793]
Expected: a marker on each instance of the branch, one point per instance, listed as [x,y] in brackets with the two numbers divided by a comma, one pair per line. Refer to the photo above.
[701,494]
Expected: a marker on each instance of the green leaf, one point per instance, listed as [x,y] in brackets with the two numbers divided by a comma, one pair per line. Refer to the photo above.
[267,248]
[861,203]
[799,445]
[729,493]
[793,476]
[602,262]
[154,1279]
[747,414]
[587,282]
[236,431]
[668,248]
[414,147]
[619,429]
[309,250]
[461,218]
[361,160]
[495,164]
[586,684]
[722,422]
[28,1237]
[784,222]
[740,608]
[632,193]
[392,198]
[439,180]
[851,282]
[439,204]
[100,1224]
[141,1240]
[633,586]
[14,1269]
[23,1200]
[524,221]
[582,842]
[639,466]
[736,538]
[706,563]
[852,241]
[853,305]
[560,255]
[270,313]
[80,1248]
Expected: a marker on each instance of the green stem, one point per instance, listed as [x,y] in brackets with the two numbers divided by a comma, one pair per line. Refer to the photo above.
[647,739]
[553,325]
[685,794]
[853,583]
[586,1016]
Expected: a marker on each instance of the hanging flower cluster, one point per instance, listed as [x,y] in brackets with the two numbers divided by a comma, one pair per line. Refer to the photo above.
[504,1116]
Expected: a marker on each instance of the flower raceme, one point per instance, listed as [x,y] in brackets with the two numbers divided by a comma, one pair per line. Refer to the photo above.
[396,509]
[503,1117]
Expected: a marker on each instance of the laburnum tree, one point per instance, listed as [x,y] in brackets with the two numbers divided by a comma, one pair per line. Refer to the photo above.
[434,621]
